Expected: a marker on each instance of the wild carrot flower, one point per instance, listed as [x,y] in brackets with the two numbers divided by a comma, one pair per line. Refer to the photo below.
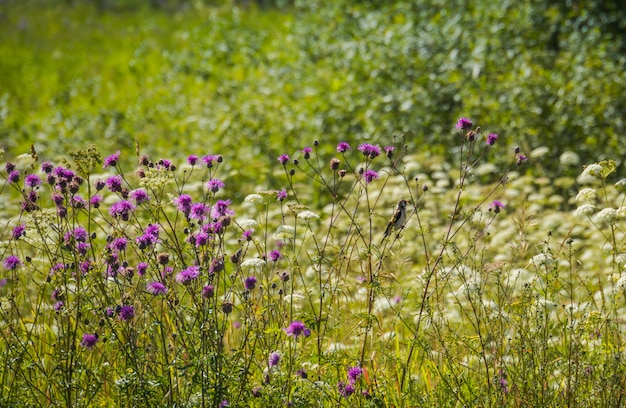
[189,274]
[343,147]
[12,262]
[89,340]
[156,288]
[112,160]
[297,328]
[464,124]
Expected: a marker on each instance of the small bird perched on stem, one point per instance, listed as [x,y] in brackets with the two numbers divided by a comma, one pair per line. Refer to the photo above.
[398,219]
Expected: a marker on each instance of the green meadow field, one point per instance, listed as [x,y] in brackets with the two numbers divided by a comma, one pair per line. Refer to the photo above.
[196,200]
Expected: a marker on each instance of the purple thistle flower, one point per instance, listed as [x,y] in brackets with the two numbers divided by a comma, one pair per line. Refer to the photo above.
[122,209]
[78,202]
[32,181]
[345,390]
[58,199]
[496,206]
[281,195]
[273,359]
[14,176]
[156,288]
[95,201]
[126,313]
[217,265]
[114,183]
[209,159]
[84,267]
[47,167]
[274,256]
[354,373]
[283,159]
[247,235]
[369,150]
[183,203]
[464,124]
[214,185]
[192,159]
[142,268]
[491,139]
[250,282]
[201,239]
[224,403]
[139,196]
[119,244]
[12,262]
[65,174]
[521,159]
[297,328]
[199,211]
[89,340]
[112,160]
[19,231]
[370,175]
[220,209]
[343,147]
[58,306]
[208,291]
[3,282]
[189,274]
[307,152]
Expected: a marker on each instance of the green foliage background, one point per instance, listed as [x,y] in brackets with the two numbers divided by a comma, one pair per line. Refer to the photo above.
[252,80]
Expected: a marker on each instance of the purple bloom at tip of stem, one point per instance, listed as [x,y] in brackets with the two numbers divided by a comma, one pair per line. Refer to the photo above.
[521,159]
[283,159]
[210,159]
[32,181]
[369,150]
[297,328]
[122,209]
[345,390]
[19,231]
[114,183]
[214,185]
[491,139]
[220,209]
[370,175]
[14,176]
[354,373]
[95,201]
[273,359]
[250,282]
[281,195]
[247,235]
[3,282]
[156,288]
[343,147]
[208,291]
[126,313]
[496,206]
[12,262]
[274,256]
[112,160]
[47,167]
[192,159]
[189,274]
[464,124]
[183,203]
[142,268]
[199,211]
[89,340]
[139,195]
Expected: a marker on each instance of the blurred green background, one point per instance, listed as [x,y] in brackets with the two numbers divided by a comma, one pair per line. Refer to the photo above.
[254,79]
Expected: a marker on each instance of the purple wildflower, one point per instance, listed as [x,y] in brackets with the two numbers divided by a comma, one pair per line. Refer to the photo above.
[114,183]
[343,147]
[14,176]
[250,282]
[58,306]
[156,288]
[297,328]
[126,313]
[119,244]
[496,206]
[3,282]
[220,209]
[183,203]
[32,181]
[208,291]
[112,160]
[199,211]
[247,235]
[281,195]
[89,340]
[283,159]
[19,231]
[345,390]
[189,274]
[142,268]
[217,265]
[464,124]
[122,209]
[274,256]
[370,175]
[521,159]
[491,139]
[84,267]
[78,202]
[209,159]
[95,201]
[307,152]
[273,359]
[47,167]
[201,239]
[369,150]
[224,403]
[214,185]
[192,159]
[140,196]
[354,373]
[12,262]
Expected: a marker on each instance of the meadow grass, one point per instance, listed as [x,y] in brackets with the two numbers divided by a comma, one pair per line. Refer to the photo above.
[150,287]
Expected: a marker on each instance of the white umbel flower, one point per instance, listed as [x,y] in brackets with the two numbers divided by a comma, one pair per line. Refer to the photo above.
[585,210]
[308,215]
[587,195]
[607,215]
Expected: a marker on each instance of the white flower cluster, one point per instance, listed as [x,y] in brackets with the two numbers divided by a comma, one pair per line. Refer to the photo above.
[607,216]
[585,210]
[587,195]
